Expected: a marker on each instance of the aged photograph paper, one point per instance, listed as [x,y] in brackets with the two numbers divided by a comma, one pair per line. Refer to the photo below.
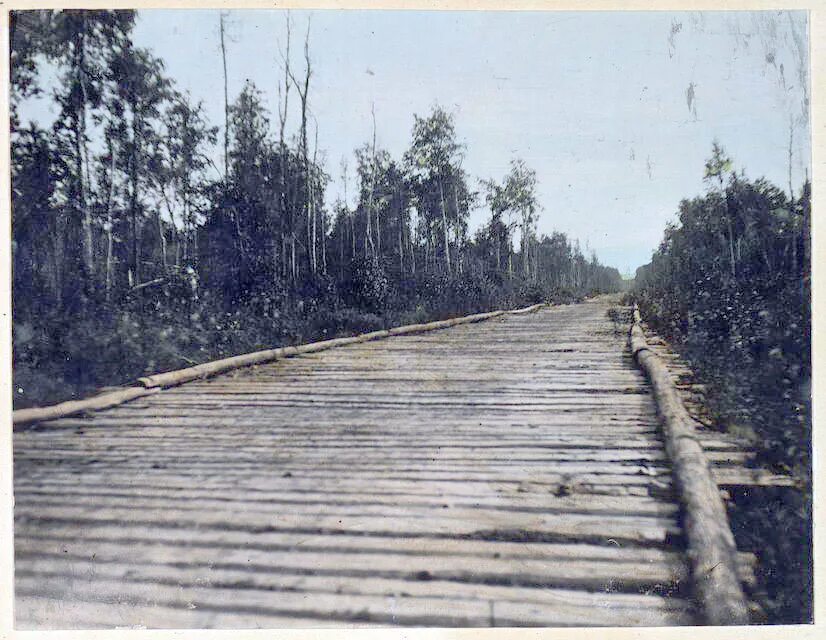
[369,318]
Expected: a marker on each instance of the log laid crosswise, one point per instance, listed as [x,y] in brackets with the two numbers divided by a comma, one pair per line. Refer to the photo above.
[505,473]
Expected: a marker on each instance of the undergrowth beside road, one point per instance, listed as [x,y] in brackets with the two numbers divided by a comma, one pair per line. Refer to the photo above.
[58,358]
[729,288]
[774,523]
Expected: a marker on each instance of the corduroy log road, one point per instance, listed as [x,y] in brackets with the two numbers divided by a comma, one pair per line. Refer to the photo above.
[534,468]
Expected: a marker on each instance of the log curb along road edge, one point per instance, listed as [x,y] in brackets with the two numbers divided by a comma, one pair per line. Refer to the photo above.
[711,550]
[154,383]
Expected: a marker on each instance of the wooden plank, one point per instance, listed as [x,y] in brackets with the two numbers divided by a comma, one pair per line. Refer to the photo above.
[483,511]
[375,484]
[455,456]
[744,477]
[251,484]
[152,559]
[394,608]
[631,529]
[512,501]
[35,612]
[91,532]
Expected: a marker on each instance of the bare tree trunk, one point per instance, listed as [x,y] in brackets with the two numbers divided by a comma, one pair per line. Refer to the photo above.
[82,159]
[411,251]
[133,205]
[807,234]
[315,208]
[284,253]
[349,224]
[370,195]
[400,219]
[731,247]
[162,237]
[791,195]
[323,244]
[498,252]
[171,210]
[293,266]
[282,112]
[791,143]
[456,230]
[226,99]
[341,239]
[351,215]
[444,224]
[109,235]
[375,172]
[311,221]
[303,90]
[184,235]
[286,217]
[401,250]
[426,252]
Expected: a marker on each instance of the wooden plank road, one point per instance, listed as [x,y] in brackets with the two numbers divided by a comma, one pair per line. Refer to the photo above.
[506,473]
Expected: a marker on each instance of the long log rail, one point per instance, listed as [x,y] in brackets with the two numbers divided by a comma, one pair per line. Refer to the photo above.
[512,470]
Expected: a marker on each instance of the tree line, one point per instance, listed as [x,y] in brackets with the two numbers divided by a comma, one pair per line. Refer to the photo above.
[122,217]
[730,285]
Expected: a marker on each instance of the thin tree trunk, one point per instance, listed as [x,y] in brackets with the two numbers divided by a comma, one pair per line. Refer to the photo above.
[341,239]
[444,224]
[161,233]
[731,247]
[187,222]
[293,266]
[302,93]
[162,237]
[284,263]
[375,172]
[315,208]
[793,235]
[401,244]
[133,206]
[286,222]
[226,100]
[82,160]
[791,144]
[371,193]
[498,252]
[109,235]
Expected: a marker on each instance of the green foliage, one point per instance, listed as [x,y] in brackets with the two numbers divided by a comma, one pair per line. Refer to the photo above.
[752,329]
[719,165]
[730,286]
[367,286]
[133,253]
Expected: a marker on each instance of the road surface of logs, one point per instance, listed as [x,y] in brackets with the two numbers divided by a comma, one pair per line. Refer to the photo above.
[505,473]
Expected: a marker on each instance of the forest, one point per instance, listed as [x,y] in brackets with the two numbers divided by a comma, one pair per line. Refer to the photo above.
[145,238]
[730,286]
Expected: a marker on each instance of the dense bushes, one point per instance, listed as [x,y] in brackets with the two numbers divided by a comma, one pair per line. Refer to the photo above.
[746,322]
[170,325]
[730,287]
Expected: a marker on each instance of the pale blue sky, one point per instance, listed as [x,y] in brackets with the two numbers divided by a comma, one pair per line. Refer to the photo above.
[596,103]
